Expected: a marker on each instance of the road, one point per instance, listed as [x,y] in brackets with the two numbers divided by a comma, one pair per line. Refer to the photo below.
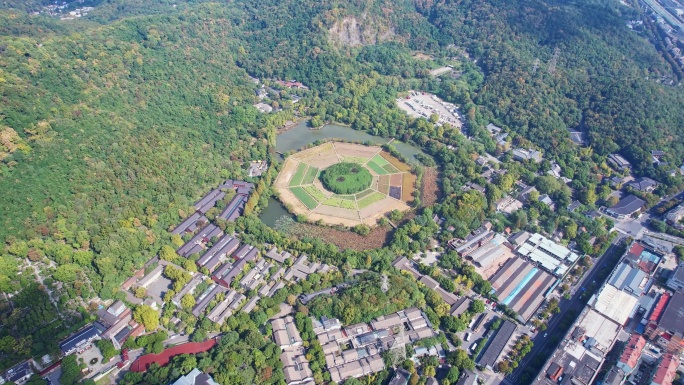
[575,303]
[666,237]
[678,195]
[632,227]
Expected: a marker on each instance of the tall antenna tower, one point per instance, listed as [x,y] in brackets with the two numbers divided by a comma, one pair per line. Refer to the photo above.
[535,65]
[385,284]
[554,61]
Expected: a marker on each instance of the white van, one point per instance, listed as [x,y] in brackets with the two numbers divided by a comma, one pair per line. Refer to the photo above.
[467,337]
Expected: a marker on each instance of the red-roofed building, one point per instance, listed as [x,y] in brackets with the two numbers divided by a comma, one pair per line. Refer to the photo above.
[630,356]
[659,307]
[636,249]
[163,358]
[131,281]
[644,257]
[666,323]
[666,371]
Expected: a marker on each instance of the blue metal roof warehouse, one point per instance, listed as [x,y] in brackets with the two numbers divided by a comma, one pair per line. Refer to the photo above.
[630,279]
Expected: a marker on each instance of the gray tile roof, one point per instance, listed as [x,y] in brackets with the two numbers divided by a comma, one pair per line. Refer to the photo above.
[498,343]
[627,205]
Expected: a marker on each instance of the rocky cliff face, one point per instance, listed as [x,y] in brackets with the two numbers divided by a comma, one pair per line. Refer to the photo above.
[353,31]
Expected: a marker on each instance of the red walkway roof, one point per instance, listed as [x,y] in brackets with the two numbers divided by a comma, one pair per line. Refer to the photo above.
[163,358]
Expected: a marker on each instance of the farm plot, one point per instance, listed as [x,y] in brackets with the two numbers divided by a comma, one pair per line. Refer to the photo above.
[304,197]
[356,150]
[364,194]
[293,202]
[376,168]
[372,198]
[382,183]
[379,160]
[345,197]
[401,166]
[372,213]
[337,212]
[354,159]
[337,201]
[299,174]
[315,193]
[320,156]
[390,169]
[408,187]
[310,175]
[285,176]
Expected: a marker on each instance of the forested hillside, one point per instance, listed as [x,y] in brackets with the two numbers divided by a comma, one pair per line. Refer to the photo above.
[124,125]
[604,83]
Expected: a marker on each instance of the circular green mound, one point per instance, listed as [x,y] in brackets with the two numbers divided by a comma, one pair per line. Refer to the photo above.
[346,178]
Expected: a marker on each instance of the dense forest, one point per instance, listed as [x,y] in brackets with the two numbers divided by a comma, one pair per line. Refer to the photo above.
[114,124]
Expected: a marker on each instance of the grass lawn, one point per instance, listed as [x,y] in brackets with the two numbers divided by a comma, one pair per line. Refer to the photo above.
[104,380]
[369,200]
[299,174]
[304,197]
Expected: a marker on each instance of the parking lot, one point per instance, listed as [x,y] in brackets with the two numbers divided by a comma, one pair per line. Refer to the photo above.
[158,288]
[476,336]
[421,104]
[428,257]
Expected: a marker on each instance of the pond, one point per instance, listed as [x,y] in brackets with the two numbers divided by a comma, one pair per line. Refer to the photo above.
[300,136]
[274,211]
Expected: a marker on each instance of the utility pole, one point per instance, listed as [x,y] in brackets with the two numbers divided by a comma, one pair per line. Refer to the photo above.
[397,351]
[385,284]
[554,61]
[535,65]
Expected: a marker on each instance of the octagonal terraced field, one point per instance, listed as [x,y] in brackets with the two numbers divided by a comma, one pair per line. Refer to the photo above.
[300,188]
